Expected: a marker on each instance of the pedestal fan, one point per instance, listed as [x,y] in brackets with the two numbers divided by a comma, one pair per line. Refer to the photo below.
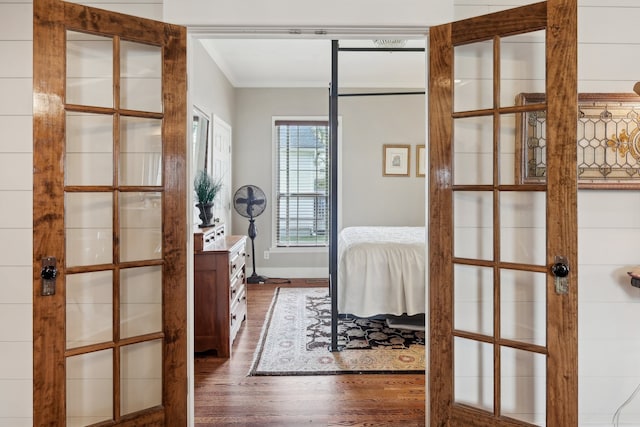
[250,201]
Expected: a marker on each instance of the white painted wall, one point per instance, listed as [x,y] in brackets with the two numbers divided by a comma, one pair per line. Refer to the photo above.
[317,15]
[252,151]
[15,214]
[15,190]
[367,198]
[214,96]
[609,233]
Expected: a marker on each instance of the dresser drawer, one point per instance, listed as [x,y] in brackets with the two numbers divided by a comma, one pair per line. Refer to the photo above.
[236,284]
[238,311]
[236,260]
[206,238]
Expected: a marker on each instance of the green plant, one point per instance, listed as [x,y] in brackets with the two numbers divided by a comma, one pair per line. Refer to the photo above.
[206,187]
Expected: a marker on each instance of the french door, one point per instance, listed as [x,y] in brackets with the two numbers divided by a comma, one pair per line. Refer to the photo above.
[503,249]
[110,218]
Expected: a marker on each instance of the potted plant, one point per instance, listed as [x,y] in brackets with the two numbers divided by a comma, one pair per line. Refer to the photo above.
[206,189]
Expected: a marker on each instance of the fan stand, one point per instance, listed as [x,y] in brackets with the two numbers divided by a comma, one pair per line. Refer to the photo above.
[254,278]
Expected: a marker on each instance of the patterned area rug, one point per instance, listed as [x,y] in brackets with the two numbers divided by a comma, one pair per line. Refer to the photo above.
[296,337]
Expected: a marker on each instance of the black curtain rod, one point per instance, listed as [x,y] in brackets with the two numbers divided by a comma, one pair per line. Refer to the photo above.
[381,49]
[381,93]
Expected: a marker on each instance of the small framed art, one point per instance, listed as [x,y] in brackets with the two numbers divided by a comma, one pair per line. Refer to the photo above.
[395,159]
[420,160]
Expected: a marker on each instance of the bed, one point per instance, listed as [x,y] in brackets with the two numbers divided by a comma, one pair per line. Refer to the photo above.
[381,270]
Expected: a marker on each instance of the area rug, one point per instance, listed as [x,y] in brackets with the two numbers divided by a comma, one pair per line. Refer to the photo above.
[296,337]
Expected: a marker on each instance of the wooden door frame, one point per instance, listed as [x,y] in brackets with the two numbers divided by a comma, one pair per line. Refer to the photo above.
[559,17]
[51,19]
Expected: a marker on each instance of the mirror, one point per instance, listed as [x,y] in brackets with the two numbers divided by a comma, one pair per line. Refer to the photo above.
[200,137]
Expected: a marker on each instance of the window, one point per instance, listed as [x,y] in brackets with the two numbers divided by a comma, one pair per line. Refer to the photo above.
[302,183]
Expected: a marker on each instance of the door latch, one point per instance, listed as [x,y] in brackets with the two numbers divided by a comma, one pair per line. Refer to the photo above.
[560,271]
[48,274]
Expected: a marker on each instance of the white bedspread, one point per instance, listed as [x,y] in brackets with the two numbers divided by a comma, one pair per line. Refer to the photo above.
[381,270]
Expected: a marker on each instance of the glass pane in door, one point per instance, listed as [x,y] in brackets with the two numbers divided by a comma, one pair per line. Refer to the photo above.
[473,150]
[89,308]
[140,151]
[140,301]
[89,387]
[140,226]
[473,373]
[509,170]
[89,149]
[522,66]
[523,385]
[89,70]
[523,306]
[473,76]
[140,77]
[473,299]
[473,224]
[88,228]
[141,376]
[533,143]
[523,221]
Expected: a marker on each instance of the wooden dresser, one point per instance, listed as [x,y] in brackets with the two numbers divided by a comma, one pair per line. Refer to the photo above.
[220,292]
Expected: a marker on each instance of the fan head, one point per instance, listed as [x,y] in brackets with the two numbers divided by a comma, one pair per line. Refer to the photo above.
[249,201]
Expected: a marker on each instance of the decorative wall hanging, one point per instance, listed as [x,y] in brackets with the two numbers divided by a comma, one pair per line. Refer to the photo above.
[420,160]
[608,151]
[395,160]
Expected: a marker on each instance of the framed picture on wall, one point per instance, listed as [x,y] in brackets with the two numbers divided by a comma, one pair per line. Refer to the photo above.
[607,146]
[420,160]
[395,159]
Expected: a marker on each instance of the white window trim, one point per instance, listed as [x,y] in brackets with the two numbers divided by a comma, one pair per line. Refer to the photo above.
[274,159]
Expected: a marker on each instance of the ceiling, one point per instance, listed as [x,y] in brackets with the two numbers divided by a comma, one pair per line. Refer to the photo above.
[307,63]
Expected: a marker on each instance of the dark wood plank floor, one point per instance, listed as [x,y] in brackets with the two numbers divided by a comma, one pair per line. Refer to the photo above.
[225,395]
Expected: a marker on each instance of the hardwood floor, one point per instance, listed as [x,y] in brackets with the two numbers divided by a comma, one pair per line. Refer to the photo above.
[225,395]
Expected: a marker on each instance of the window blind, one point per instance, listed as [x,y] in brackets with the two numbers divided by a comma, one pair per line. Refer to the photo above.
[302,182]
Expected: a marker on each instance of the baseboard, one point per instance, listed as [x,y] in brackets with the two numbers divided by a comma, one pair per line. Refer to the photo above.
[292,273]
